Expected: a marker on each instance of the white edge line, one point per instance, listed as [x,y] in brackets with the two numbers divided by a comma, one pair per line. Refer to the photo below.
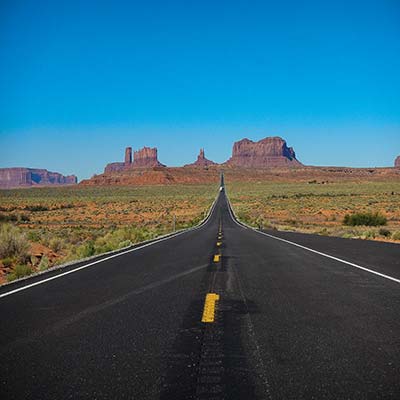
[245,226]
[202,223]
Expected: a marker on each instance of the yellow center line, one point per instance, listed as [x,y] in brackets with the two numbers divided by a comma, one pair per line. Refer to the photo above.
[209,307]
[219,244]
[217,257]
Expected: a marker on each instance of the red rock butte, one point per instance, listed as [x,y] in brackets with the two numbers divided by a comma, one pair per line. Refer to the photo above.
[268,159]
[146,158]
[268,152]
[397,162]
[128,156]
[25,177]
[201,161]
[143,158]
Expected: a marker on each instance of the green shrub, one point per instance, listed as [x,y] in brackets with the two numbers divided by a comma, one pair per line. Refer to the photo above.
[396,235]
[33,236]
[13,243]
[44,263]
[86,250]
[125,243]
[122,237]
[347,235]
[243,216]
[36,208]
[19,272]
[34,260]
[384,232]
[56,244]
[368,235]
[7,262]
[23,218]
[366,219]
[8,218]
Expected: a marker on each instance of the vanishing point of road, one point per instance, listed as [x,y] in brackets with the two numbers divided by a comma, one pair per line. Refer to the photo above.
[217,312]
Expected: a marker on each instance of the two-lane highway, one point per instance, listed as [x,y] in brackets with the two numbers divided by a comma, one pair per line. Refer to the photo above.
[219,312]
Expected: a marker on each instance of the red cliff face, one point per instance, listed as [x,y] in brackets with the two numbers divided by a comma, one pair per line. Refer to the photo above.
[15,177]
[143,158]
[114,167]
[268,152]
[146,158]
[397,162]
[128,156]
[201,161]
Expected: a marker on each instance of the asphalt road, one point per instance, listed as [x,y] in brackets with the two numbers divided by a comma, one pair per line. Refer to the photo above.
[290,323]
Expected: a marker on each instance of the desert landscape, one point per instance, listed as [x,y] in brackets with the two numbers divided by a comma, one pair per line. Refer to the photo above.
[54,225]
[320,207]
[140,198]
[199,200]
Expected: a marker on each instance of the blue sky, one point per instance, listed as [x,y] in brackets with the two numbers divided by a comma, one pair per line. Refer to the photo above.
[80,80]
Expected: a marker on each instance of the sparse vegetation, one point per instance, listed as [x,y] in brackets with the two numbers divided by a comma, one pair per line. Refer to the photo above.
[65,224]
[35,208]
[396,235]
[366,219]
[7,262]
[320,209]
[384,232]
[44,263]
[20,271]
[8,218]
[13,243]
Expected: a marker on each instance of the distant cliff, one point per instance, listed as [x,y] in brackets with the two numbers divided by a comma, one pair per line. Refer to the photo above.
[268,152]
[397,162]
[143,158]
[25,177]
[271,152]
[201,161]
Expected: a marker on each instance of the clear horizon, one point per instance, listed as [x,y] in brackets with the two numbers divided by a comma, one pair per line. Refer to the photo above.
[80,82]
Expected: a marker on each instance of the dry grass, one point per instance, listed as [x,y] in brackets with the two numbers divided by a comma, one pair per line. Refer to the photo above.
[319,208]
[68,223]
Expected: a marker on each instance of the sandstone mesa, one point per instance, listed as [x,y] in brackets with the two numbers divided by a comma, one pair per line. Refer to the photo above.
[26,177]
[143,158]
[266,153]
[269,158]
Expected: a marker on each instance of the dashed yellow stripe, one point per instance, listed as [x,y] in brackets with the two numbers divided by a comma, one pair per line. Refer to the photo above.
[209,307]
[219,244]
[217,258]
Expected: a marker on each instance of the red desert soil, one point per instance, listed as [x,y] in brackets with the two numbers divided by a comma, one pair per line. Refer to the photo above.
[37,251]
[211,174]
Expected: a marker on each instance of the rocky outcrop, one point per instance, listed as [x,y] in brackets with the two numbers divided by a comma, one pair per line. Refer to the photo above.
[146,158]
[143,158]
[114,167]
[22,177]
[201,161]
[266,153]
[128,156]
[397,162]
